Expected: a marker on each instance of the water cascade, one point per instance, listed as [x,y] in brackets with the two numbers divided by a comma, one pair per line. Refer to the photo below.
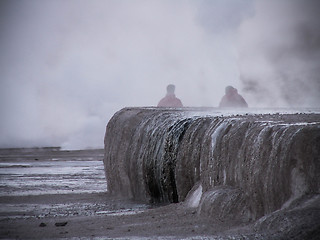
[245,166]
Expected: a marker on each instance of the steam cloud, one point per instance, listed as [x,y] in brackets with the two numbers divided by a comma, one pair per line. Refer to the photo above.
[67,66]
[279,54]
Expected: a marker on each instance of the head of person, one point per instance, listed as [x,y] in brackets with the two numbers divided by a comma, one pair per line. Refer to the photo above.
[235,91]
[229,90]
[170,89]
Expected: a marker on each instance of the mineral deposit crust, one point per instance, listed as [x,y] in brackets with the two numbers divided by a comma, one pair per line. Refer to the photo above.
[262,168]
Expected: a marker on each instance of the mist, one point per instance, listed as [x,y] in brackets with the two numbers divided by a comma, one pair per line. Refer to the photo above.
[67,66]
[279,54]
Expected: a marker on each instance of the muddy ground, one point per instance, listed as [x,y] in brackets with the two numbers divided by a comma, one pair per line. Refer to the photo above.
[100,216]
[42,188]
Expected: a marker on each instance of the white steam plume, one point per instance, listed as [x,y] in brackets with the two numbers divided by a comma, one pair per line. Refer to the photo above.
[280,54]
[67,66]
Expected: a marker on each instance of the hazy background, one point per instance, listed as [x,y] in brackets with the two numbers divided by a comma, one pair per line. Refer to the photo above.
[67,66]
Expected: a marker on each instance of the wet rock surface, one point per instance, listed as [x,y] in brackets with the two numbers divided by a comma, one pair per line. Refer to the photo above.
[48,186]
[31,210]
[254,168]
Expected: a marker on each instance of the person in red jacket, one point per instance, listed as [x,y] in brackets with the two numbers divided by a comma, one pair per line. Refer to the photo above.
[232,99]
[170,100]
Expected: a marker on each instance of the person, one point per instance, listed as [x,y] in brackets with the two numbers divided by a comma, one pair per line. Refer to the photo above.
[232,99]
[170,100]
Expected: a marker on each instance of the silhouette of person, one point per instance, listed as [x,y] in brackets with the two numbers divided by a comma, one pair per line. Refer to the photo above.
[170,100]
[232,99]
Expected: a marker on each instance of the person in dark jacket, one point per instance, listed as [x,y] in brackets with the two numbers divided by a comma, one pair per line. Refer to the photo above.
[170,100]
[232,99]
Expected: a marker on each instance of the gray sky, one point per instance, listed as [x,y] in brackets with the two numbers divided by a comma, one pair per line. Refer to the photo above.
[67,66]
